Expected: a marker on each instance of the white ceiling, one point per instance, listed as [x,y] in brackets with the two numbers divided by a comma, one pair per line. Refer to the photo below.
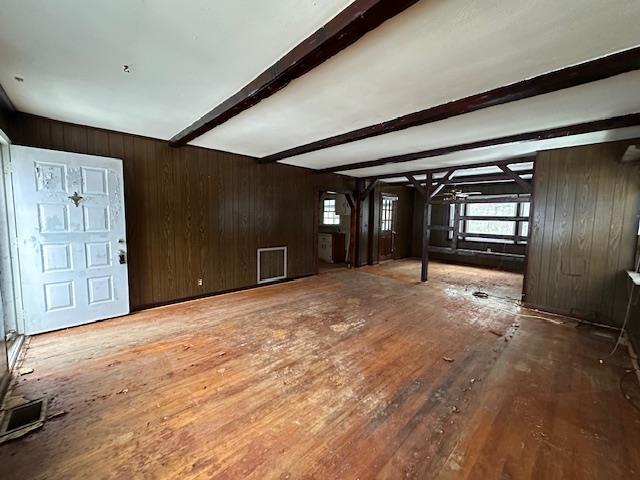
[597,100]
[434,52]
[187,57]
[496,153]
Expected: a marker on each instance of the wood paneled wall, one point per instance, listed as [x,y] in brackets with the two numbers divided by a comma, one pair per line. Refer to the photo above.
[4,121]
[585,220]
[196,213]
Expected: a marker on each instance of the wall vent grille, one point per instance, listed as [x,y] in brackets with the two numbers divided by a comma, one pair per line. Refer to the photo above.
[272,264]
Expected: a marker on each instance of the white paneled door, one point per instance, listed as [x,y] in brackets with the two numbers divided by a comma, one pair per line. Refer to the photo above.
[71,237]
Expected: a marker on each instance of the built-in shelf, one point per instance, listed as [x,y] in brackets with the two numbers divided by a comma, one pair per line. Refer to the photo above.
[635,276]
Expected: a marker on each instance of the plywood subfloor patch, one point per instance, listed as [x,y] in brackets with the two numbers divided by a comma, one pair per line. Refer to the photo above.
[333,376]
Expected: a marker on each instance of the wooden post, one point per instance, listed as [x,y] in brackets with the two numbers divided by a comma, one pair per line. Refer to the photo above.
[456,227]
[360,187]
[426,231]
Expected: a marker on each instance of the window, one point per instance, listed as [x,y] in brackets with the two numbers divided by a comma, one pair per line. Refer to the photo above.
[329,216]
[477,225]
[386,219]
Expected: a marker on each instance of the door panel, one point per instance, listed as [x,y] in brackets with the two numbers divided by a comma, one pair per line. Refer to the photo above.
[71,232]
[386,239]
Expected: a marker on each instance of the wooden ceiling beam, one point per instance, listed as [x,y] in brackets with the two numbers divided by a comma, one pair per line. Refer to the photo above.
[573,76]
[622,121]
[441,182]
[360,17]
[369,189]
[492,163]
[516,178]
[420,188]
[481,178]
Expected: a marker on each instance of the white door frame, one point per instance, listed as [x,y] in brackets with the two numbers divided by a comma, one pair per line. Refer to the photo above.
[10,275]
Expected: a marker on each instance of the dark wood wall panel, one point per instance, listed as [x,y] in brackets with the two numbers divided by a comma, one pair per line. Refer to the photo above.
[583,237]
[4,120]
[196,213]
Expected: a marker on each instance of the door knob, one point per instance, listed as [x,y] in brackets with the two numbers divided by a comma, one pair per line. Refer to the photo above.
[122,256]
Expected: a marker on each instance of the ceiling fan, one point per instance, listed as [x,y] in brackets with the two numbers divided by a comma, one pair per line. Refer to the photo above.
[458,193]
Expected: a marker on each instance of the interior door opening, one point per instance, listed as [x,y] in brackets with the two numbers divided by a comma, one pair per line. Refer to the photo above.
[388,226]
[334,231]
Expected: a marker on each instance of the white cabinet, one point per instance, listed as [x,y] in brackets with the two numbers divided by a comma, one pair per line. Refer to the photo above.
[325,247]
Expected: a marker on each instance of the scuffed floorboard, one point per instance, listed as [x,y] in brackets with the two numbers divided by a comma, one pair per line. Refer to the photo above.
[340,375]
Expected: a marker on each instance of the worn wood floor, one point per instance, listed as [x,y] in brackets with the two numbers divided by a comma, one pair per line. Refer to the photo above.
[340,375]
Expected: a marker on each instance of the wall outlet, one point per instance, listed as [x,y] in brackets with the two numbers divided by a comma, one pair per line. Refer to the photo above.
[199,282]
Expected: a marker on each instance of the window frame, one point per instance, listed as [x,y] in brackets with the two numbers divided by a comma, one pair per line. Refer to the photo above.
[520,219]
[386,213]
[329,214]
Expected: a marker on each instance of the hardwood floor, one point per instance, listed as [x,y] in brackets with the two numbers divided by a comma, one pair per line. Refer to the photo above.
[341,375]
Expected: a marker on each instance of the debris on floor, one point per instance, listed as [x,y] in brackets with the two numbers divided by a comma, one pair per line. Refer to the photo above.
[495,332]
[14,401]
[479,294]
[448,359]
[124,390]
[57,414]
[25,371]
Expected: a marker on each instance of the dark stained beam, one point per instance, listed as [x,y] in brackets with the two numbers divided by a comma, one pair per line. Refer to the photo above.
[591,71]
[440,183]
[622,121]
[477,253]
[516,178]
[482,178]
[368,190]
[360,17]
[350,201]
[420,188]
[489,177]
[492,163]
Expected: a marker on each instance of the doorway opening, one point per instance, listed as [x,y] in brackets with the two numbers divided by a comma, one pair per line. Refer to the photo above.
[388,226]
[334,231]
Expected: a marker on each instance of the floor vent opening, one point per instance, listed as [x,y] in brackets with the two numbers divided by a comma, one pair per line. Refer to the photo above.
[22,419]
